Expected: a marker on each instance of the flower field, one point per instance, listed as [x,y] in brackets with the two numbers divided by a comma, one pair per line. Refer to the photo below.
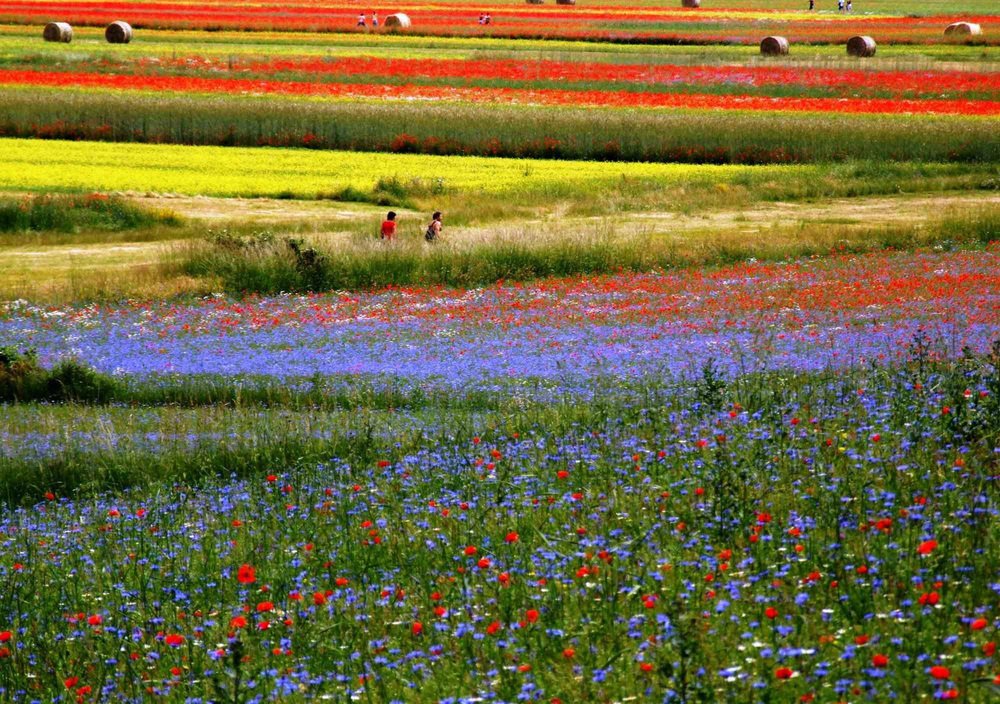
[694,398]
[750,318]
[442,96]
[694,543]
[243,171]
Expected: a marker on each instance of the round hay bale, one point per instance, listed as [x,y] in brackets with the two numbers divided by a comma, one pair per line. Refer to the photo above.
[774,46]
[690,3]
[118,32]
[397,21]
[58,32]
[534,2]
[963,29]
[861,46]
[565,2]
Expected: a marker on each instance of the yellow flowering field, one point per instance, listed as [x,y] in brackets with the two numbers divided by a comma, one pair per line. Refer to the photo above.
[37,165]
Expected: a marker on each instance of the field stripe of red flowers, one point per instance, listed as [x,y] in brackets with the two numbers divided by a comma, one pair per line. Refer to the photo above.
[198,84]
[847,82]
[642,24]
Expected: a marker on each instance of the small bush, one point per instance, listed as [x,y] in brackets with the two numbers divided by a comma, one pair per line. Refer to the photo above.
[71,380]
[23,379]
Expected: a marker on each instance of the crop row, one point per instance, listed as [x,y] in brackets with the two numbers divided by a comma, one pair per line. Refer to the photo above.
[493,96]
[547,81]
[19,41]
[516,131]
[45,165]
[806,316]
[621,24]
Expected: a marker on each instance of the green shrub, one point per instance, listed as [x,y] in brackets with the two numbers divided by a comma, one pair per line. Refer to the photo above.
[23,379]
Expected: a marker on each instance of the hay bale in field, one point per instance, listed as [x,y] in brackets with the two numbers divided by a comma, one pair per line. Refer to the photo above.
[774,46]
[690,3]
[565,2]
[963,29]
[118,32]
[397,21]
[861,46]
[534,2]
[58,32]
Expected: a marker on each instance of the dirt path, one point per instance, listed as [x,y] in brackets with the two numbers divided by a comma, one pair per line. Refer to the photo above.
[258,210]
[864,212]
[27,271]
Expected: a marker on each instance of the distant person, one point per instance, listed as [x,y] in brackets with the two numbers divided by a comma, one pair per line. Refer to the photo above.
[361,19]
[482,18]
[840,5]
[812,5]
[434,229]
[388,231]
[374,20]
[487,19]
[850,6]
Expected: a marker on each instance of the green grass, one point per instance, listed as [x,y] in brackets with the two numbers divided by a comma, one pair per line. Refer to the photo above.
[66,214]
[275,265]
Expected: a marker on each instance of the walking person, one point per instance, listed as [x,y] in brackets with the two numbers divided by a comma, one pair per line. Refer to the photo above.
[374,20]
[388,231]
[840,5]
[850,5]
[434,229]
[361,20]
[812,5]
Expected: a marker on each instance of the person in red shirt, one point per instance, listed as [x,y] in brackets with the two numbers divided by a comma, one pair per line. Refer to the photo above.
[389,226]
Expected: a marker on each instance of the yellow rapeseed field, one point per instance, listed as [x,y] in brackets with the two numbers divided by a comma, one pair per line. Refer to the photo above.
[37,165]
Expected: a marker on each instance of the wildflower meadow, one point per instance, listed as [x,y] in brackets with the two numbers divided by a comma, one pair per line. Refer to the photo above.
[692,396]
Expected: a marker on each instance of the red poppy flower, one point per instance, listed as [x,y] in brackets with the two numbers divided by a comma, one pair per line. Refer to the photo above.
[940,672]
[246,574]
[927,547]
[879,660]
[783,673]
